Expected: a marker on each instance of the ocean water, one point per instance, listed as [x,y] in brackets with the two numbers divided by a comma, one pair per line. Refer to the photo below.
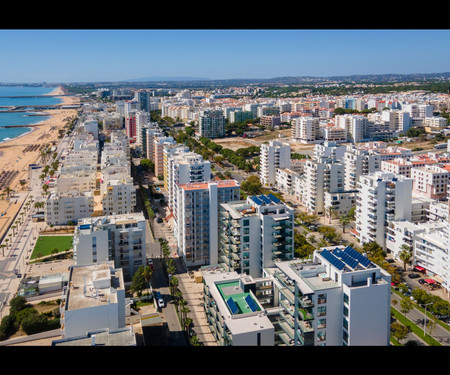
[12,96]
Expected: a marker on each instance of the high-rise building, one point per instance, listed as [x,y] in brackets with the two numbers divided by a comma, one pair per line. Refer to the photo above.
[120,238]
[273,156]
[254,234]
[382,197]
[196,224]
[212,124]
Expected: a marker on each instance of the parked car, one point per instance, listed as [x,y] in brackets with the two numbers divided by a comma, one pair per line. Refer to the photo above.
[159,300]
[421,281]
[413,275]
[159,220]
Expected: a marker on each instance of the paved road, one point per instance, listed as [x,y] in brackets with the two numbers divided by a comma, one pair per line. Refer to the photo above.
[438,333]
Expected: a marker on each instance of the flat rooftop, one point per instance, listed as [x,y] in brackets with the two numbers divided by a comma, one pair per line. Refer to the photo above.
[93,285]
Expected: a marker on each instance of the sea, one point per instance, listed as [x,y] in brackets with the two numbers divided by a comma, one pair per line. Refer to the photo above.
[17,96]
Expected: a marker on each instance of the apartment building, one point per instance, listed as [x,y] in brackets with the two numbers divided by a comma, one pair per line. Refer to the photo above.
[382,197]
[159,143]
[120,238]
[234,314]
[61,209]
[356,126]
[93,299]
[306,129]
[152,131]
[430,181]
[183,168]
[274,155]
[170,151]
[339,298]
[118,196]
[211,124]
[254,233]
[196,223]
[359,162]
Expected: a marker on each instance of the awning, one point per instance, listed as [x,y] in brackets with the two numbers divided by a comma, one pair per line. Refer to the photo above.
[430,281]
[418,268]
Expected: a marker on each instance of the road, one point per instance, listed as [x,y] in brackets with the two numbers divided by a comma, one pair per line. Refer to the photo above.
[438,333]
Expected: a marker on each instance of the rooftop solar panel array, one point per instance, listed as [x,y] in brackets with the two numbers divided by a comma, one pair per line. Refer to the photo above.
[251,303]
[232,305]
[348,257]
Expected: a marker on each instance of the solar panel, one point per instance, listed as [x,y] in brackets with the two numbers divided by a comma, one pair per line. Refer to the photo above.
[273,198]
[257,200]
[232,305]
[251,303]
[358,256]
[332,259]
[265,199]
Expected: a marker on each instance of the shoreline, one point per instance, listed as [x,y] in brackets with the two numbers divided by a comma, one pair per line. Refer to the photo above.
[57,91]
[18,153]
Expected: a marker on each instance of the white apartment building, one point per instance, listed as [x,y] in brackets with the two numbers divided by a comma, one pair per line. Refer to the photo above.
[77,181]
[382,197]
[196,224]
[356,126]
[93,299]
[187,167]
[120,238]
[331,133]
[306,129]
[62,209]
[169,152]
[118,195]
[397,120]
[430,181]
[338,298]
[273,155]
[359,162]
[234,314]
[90,126]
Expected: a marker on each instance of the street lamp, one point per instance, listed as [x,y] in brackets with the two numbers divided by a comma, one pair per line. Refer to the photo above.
[425,320]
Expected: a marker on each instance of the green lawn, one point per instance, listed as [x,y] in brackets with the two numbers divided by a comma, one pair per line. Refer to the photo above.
[45,245]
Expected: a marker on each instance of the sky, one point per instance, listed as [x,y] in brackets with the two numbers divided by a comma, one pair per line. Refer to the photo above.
[92,55]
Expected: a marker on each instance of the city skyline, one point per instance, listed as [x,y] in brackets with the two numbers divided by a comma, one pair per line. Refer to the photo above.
[93,55]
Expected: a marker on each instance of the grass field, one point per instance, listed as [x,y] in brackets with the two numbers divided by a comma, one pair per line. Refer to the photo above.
[45,245]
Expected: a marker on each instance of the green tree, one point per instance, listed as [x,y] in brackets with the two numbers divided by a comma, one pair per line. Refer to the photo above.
[139,282]
[252,185]
[344,220]
[399,331]
[405,255]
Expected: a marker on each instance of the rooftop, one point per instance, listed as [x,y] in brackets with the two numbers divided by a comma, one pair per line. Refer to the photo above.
[93,285]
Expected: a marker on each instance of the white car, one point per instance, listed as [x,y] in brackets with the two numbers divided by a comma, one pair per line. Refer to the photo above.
[161,303]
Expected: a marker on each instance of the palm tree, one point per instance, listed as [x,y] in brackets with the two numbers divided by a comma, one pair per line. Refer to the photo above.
[344,220]
[405,255]
[8,191]
[330,211]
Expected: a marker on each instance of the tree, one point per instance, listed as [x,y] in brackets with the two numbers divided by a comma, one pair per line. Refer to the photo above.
[399,331]
[405,255]
[344,220]
[405,305]
[252,185]
[138,283]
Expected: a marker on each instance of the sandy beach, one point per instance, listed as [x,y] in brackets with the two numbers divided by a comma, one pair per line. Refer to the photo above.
[18,153]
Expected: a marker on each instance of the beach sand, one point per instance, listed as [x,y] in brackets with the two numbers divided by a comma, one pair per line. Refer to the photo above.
[18,153]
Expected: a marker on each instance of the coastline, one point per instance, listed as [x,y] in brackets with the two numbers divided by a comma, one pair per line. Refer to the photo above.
[18,153]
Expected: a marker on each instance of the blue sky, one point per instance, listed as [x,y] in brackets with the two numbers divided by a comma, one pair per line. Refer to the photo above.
[111,55]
